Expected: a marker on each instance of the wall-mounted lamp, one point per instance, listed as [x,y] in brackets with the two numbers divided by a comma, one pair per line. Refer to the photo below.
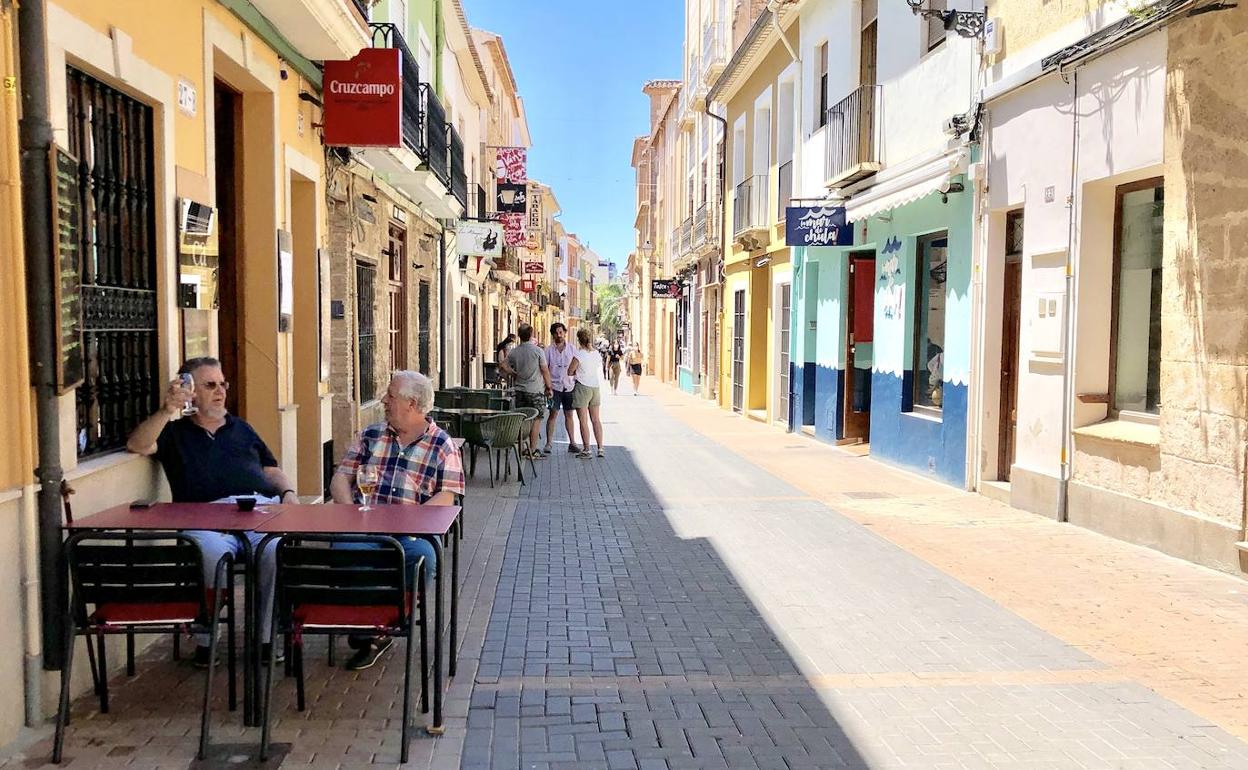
[950,188]
[965,23]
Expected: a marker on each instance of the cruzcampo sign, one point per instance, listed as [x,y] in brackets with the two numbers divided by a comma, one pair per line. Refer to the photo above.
[816,226]
[364,99]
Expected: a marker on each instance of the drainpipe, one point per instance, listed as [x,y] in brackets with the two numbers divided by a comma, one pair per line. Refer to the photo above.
[1068,326]
[442,278]
[33,663]
[35,130]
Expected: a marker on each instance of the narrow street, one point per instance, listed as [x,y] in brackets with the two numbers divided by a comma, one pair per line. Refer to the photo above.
[699,599]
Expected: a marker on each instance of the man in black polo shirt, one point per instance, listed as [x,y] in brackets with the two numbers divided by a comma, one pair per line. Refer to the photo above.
[213,456]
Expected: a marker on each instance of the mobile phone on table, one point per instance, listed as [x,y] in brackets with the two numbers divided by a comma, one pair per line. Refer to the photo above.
[140,504]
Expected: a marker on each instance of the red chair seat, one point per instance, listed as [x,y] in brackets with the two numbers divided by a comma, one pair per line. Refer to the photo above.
[368,616]
[156,612]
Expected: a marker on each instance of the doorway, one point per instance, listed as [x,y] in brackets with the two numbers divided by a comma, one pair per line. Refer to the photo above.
[738,350]
[1011,314]
[859,342]
[465,342]
[227,115]
[784,299]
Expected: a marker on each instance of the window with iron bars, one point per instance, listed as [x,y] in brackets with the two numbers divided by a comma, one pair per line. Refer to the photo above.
[365,330]
[110,135]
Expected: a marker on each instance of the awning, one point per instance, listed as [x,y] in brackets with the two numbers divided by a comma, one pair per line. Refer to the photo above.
[906,187]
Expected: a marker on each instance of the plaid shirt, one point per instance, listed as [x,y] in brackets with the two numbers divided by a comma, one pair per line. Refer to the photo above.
[409,474]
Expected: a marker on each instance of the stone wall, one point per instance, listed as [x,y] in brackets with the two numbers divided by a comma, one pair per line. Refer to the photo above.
[1204,367]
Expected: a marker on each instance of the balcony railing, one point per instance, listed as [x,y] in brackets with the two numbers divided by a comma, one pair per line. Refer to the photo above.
[481,210]
[785,188]
[388,36]
[700,232]
[459,179]
[853,143]
[749,205]
[686,236]
[434,134]
[714,51]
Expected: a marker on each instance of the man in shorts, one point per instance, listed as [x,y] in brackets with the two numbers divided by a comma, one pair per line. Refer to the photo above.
[527,365]
[559,355]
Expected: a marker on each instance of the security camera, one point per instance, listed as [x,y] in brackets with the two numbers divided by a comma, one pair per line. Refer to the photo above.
[949,188]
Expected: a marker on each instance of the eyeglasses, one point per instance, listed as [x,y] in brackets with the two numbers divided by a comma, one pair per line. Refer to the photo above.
[211,387]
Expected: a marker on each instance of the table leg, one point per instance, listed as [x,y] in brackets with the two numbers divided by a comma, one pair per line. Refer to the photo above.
[250,676]
[454,536]
[436,728]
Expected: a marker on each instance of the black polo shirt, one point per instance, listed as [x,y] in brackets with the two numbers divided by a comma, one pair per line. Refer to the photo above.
[202,467]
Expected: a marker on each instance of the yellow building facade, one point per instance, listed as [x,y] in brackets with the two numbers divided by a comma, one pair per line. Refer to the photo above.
[192,131]
[757,264]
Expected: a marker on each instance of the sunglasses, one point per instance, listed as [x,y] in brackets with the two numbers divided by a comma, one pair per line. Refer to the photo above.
[211,386]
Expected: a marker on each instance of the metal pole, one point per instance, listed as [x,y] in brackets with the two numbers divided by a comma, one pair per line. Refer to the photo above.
[442,331]
[35,130]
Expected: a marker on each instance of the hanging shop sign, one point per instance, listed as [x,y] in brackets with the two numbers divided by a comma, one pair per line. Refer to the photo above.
[528,285]
[512,165]
[533,240]
[666,288]
[364,100]
[532,268]
[535,208]
[513,229]
[511,198]
[816,226]
[479,239]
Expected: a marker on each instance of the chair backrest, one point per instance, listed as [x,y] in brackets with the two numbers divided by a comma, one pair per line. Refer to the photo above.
[474,400]
[502,431]
[146,568]
[446,398]
[446,420]
[308,572]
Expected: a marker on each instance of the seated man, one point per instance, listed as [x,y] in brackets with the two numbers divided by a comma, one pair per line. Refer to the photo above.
[213,456]
[419,463]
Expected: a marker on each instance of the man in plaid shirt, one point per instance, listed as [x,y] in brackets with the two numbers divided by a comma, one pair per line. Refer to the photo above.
[418,463]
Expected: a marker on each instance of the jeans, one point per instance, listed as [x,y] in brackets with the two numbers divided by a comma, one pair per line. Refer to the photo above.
[214,545]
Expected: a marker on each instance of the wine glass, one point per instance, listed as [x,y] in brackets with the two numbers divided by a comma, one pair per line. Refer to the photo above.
[188,381]
[366,478]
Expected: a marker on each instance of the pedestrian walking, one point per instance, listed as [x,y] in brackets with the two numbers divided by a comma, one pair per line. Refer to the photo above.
[587,393]
[634,359]
[526,364]
[615,357]
[559,356]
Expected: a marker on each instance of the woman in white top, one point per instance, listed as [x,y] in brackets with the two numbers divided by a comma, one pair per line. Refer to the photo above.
[586,393]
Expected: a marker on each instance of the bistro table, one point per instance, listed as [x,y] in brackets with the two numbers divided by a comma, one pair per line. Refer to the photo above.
[432,523]
[214,517]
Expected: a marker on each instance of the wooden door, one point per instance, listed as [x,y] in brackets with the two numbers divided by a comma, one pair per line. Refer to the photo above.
[227,110]
[782,394]
[1010,318]
[859,342]
[738,350]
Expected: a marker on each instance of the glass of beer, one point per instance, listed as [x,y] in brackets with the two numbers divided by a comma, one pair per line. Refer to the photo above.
[366,478]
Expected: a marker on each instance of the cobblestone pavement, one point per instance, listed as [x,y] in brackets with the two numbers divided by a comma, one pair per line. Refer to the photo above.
[692,601]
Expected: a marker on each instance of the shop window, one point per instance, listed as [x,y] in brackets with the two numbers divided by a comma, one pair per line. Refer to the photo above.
[1135,372]
[931,270]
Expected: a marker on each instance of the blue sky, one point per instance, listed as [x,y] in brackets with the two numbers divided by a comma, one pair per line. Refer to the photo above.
[580,66]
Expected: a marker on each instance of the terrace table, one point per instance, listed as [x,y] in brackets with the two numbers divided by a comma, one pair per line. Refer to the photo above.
[215,517]
[432,523]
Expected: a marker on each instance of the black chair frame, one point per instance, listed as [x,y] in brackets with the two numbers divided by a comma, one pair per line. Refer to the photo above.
[136,570]
[311,573]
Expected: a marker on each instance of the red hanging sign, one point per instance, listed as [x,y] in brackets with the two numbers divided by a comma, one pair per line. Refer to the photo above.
[364,99]
[512,162]
[528,284]
[513,229]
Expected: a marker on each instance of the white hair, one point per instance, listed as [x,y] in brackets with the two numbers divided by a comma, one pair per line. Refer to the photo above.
[415,386]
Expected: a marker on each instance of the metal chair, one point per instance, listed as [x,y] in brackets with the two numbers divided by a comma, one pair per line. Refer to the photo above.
[474,399]
[526,430]
[446,398]
[448,421]
[149,583]
[494,433]
[332,591]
